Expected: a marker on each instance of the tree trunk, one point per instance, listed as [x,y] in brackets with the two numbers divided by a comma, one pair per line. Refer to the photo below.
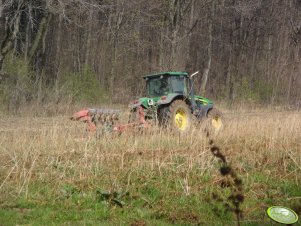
[2,23]
[58,48]
[150,52]
[40,35]
[88,43]
[253,77]
[209,50]
[189,59]
[11,35]
[269,59]
[113,70]
[28,32]
[161,50]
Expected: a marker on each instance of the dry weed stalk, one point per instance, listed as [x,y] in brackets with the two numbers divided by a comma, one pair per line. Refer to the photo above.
[233,181]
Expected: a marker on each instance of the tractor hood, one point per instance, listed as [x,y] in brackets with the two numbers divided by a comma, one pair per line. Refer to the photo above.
[203,100]
[144,101]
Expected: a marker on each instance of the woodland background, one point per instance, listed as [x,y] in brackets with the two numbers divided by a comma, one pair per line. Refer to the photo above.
[62,52]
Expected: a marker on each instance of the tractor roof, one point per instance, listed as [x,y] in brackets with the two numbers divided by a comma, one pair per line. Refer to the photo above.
[169,73]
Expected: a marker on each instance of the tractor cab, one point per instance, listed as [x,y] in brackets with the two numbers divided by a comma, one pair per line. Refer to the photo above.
[163,88]
[166,83]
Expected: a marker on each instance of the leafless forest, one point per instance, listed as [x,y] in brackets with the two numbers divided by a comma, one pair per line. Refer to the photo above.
[246,50]
[60,55]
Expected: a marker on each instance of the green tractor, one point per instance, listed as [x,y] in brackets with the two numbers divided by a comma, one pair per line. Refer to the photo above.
[172,103]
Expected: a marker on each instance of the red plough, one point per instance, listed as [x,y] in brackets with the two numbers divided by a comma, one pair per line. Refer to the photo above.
[105,119]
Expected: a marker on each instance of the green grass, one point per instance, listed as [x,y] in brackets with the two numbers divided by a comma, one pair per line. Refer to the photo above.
[154,198]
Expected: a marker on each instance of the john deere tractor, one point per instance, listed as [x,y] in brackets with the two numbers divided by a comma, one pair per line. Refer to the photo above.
[171,102]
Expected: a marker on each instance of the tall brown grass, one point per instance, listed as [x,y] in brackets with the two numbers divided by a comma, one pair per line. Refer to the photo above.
[56,151]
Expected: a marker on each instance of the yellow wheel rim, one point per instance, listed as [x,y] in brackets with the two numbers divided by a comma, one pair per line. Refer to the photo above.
[217,123]
[181,119]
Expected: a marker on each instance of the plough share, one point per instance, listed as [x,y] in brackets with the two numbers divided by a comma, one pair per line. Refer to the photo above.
[106,120]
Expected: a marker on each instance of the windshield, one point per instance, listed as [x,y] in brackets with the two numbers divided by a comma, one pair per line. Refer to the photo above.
[157,86]
[178,84]
[163,85]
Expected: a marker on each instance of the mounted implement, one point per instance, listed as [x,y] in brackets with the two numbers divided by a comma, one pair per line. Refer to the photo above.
[104,120]
[170,102]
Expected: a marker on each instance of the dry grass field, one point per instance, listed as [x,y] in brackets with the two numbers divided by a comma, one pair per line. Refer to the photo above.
[51,173]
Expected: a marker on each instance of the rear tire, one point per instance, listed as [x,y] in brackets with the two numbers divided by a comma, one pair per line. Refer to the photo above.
[176,116]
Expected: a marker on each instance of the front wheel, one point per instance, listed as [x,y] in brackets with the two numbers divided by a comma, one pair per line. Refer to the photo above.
[215,118]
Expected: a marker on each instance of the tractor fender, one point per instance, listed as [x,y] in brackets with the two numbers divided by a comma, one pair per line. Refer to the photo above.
[170,98]
[201,111]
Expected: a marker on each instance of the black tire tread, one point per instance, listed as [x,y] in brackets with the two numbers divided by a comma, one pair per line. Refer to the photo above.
[166,114]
